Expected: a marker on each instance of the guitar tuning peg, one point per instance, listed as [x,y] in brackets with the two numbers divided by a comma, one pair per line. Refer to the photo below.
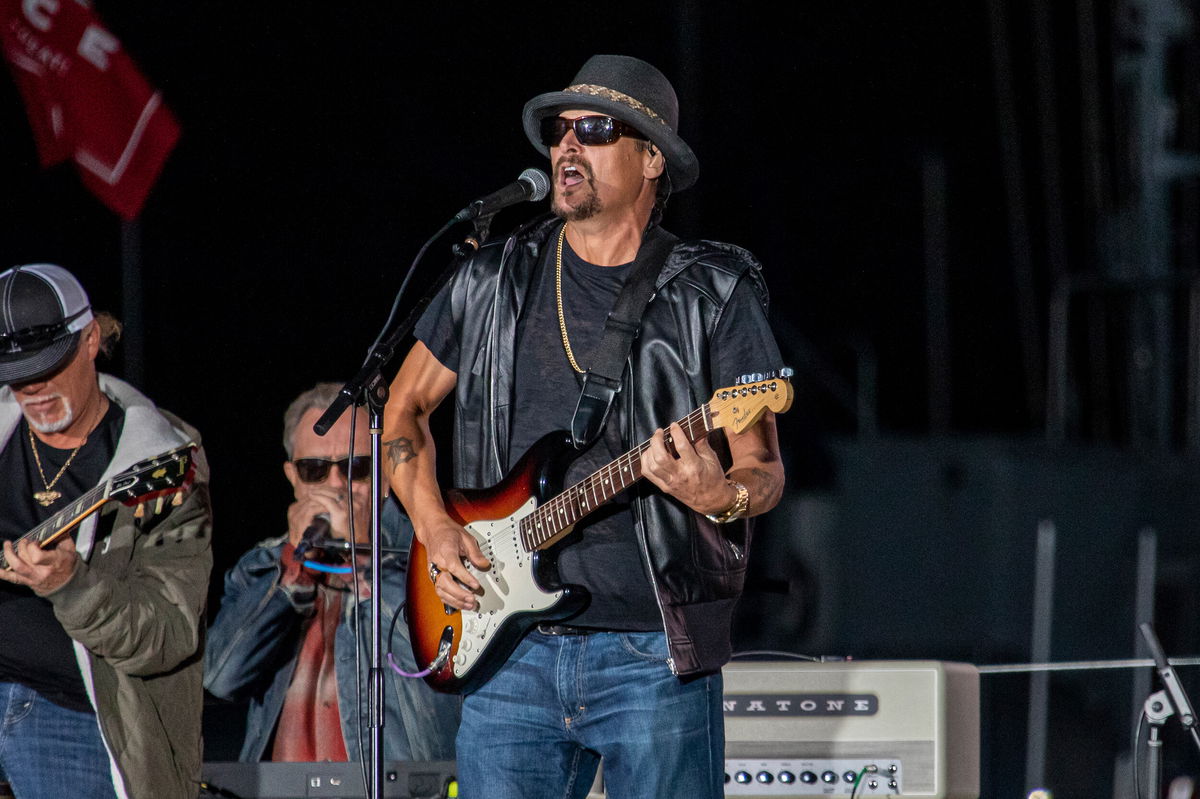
[787,372]
[140,511]
[158,505]
[177,499]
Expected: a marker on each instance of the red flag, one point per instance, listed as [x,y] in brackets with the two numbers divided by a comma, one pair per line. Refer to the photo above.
[86,99]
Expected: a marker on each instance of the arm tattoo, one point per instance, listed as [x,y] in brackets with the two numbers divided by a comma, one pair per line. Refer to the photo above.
[765,479]
[399,450]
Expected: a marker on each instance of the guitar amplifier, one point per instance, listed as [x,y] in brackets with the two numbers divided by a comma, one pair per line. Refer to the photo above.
[906,728]
[401,780]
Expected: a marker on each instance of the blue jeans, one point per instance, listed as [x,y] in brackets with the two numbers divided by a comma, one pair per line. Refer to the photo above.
[538,728]
[48,751]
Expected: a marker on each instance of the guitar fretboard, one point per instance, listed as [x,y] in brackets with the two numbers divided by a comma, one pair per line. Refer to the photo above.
[548,521]
[64,519]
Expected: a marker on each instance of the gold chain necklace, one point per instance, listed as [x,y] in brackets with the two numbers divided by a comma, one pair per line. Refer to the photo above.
[562,321]
[49,496]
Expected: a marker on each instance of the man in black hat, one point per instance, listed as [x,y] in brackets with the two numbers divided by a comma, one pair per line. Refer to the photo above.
[100,632]
[633,676]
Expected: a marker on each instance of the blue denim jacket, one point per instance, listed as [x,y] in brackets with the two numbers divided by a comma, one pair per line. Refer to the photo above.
[253,644]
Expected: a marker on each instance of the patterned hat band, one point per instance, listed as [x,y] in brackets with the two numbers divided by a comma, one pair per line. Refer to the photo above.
[616,97]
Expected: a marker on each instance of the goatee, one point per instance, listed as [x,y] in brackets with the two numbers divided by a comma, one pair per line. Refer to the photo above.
[61,423]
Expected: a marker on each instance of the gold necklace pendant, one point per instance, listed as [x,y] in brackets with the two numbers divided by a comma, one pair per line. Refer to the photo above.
[47,498]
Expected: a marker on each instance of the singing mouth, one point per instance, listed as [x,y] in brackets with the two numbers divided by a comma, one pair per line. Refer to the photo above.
[571,175]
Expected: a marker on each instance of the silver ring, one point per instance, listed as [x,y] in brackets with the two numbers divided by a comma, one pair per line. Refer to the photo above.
[434,571]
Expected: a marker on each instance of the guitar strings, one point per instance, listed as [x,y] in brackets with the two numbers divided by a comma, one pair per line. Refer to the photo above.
[557,514]
[549,519]
[539,526]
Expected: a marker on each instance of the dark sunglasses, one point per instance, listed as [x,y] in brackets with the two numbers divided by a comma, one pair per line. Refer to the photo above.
[591,131]
[37,336]
[314,470]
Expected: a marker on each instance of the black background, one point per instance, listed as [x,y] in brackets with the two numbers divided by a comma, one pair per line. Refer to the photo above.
[321,145]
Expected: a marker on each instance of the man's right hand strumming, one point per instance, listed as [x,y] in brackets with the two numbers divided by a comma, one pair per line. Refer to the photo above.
[446,545]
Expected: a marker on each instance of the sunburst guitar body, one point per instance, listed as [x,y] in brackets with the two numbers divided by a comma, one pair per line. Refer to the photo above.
[517,523]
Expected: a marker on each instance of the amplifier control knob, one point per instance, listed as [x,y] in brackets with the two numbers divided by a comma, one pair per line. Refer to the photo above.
[765,777]
[742,777]
[850,777]
[727,778]
[829,777]
[808,777]
[787,777]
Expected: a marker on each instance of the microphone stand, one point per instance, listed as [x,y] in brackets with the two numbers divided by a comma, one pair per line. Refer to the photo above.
[369,387]
[1160,706]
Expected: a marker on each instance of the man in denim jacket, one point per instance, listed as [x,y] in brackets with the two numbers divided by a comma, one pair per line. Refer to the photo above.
[285,637]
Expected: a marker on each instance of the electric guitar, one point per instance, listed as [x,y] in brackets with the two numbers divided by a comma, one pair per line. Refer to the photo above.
[154,478]
[516,523]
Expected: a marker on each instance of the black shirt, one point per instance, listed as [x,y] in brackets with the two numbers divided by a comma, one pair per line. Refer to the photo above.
[34,648]
[605,557]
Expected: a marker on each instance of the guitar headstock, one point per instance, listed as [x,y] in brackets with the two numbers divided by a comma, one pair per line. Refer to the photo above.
[739,407]
[155,477]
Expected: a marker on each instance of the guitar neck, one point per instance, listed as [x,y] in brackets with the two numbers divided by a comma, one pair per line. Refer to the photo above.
[552,519]
[63,521]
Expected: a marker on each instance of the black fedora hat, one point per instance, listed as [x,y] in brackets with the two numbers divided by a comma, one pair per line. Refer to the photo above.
[627,89]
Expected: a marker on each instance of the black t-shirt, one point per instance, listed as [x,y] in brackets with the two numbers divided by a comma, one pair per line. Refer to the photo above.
[605,557]
[34,648]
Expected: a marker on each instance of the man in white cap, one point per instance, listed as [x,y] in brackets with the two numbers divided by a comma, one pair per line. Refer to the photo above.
[633,676]
[101,631]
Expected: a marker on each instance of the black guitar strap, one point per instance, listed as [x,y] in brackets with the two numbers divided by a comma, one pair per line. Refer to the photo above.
[603,378]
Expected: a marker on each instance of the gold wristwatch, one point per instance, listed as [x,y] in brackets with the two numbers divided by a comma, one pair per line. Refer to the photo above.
[741,504]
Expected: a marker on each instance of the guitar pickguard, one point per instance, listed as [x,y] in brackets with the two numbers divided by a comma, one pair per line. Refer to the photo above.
[509,586]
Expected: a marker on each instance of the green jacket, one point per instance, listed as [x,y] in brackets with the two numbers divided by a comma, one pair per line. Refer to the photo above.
[135,610]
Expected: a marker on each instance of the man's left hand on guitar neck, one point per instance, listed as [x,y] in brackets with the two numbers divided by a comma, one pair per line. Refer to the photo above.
[689,472]
[43,570]
[693,474]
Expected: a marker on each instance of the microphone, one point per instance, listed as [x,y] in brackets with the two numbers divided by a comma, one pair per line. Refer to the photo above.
[532,185]
[312,535]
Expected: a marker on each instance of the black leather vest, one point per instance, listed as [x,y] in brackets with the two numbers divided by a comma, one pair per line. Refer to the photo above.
[698,567]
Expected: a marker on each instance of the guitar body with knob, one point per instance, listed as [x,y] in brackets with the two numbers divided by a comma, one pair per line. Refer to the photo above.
[520,524]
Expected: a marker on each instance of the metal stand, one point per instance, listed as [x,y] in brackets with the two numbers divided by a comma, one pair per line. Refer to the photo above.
[369,387]
[1157,710]
[1160,706]
[376,400]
